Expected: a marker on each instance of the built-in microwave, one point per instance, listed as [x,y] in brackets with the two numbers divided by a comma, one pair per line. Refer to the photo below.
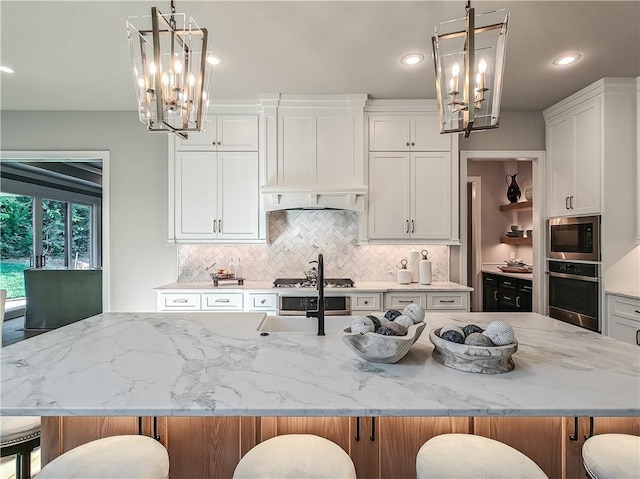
[574,238]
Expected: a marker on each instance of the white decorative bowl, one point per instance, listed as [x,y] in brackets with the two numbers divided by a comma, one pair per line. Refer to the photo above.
[473,359]
[378,348]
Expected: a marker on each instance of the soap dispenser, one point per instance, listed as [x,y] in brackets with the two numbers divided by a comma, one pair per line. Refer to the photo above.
[404,275]
[425,268]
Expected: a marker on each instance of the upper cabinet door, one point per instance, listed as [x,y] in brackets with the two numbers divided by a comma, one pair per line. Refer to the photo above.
[196,195]
[431,195]
[587,159]
[238,195]
[224,133]
[560,151]
[425,134]
[389,133]
[237,133]
[389,215]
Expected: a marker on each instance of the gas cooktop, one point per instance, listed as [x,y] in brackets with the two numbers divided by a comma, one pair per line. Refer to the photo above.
[306,283]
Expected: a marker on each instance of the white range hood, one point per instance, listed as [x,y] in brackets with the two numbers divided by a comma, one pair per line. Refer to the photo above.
[314,197]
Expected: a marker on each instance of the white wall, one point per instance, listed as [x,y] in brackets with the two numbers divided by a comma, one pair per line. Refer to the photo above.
[518,131]
[140,258]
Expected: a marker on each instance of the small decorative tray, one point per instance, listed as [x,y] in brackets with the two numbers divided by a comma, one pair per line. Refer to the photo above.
[473,359]
[227,278]
[515,269]
[378,348]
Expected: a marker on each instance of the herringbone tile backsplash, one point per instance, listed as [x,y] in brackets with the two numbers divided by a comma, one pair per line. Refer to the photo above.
[296,237]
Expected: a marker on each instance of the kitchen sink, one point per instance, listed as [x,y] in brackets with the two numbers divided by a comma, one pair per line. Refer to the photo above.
[302,324]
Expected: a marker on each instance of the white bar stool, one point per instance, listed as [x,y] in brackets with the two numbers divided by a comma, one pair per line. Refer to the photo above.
[20,435]
[296,456]
[461,456]
[115,457]
[612,456]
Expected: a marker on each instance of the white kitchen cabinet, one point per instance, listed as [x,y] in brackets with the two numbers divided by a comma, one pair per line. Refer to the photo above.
[623,317]
[224,133]
[315,146]
[410,195]
[178,301]
[216,196]
[365,302]
[447,300]
[264,302]
[398,300]
[575,158]
[222,301]
[406,132]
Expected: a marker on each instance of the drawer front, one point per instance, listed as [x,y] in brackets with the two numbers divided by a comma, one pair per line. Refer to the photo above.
[507,297]
[624,307]
[506,282]
[489,278]
[178,301]
[400,300]
[444,300]
[222,302]
[262,302]
[366,302]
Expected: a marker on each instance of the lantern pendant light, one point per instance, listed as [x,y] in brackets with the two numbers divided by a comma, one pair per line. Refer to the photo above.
[171,68]
[469,66]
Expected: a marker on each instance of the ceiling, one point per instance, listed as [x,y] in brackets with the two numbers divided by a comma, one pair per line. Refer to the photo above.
[74,55]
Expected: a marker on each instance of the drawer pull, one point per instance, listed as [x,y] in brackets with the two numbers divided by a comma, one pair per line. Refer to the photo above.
[638,337]
[221,300]
[446,301]
[180,300]
[506,298]
[637,311]
[405,301]
[263,301]
[366,302]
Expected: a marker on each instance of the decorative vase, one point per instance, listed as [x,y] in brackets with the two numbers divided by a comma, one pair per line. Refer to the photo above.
[513,190]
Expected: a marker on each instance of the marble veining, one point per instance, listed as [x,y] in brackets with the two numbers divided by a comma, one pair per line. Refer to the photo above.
[200,364]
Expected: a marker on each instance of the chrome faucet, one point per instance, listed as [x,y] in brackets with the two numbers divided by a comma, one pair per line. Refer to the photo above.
[319,313]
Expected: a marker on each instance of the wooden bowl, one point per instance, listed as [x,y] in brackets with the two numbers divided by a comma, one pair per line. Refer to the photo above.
[473,359]
[378,348]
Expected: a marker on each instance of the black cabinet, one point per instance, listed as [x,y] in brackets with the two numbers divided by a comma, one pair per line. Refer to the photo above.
[506,293]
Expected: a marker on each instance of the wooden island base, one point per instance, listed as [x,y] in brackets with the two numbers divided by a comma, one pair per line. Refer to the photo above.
[381,447]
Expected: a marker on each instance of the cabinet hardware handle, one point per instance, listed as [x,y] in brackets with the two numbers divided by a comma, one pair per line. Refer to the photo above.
[574,436]
[407,226]
[366,302]
[566,202]
[219,226]
[373,429]
[215,224]
[638,337]
[571,201]
[637,311]
[413,144]
[407,143]
[587,436]
[405,301]
[413,226]
[357,436]
[446,301]
[495,295]
[263,301]
[221,301]
[180,301]
[517,301]
[507,283]
[507,298]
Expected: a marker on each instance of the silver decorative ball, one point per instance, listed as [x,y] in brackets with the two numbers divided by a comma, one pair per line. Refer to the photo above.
[500,333]
[362,325]
[403,320]
[478,339]
[397,328]
[414,311]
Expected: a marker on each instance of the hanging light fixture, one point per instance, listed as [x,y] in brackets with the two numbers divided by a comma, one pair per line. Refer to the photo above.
[171,70]
[469,65]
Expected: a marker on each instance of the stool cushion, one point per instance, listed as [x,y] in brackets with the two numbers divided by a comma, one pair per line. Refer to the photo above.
[15,428]
[115,457]
[296,456]
[459,456]
[612,456]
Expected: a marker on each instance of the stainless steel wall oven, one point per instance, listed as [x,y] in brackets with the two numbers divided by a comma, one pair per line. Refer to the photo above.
[574,293]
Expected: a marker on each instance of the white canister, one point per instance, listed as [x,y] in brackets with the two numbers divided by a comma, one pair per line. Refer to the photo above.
[404,275]
[414,261]
[425,268]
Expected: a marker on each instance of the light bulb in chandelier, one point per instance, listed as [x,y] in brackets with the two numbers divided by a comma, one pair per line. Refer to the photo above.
[480,83]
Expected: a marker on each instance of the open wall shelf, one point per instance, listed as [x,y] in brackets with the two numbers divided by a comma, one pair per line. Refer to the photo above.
[522,206]
[517,241]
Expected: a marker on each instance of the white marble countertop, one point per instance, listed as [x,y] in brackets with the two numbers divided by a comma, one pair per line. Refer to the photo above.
[202,364]
[624,293]
[359,287]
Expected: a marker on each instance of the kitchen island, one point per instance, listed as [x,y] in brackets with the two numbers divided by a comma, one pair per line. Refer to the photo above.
[218,365]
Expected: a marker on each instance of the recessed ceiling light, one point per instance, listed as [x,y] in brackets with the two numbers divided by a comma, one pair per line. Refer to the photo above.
[412,59]
[215,59]
[5,69]
[567,59]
